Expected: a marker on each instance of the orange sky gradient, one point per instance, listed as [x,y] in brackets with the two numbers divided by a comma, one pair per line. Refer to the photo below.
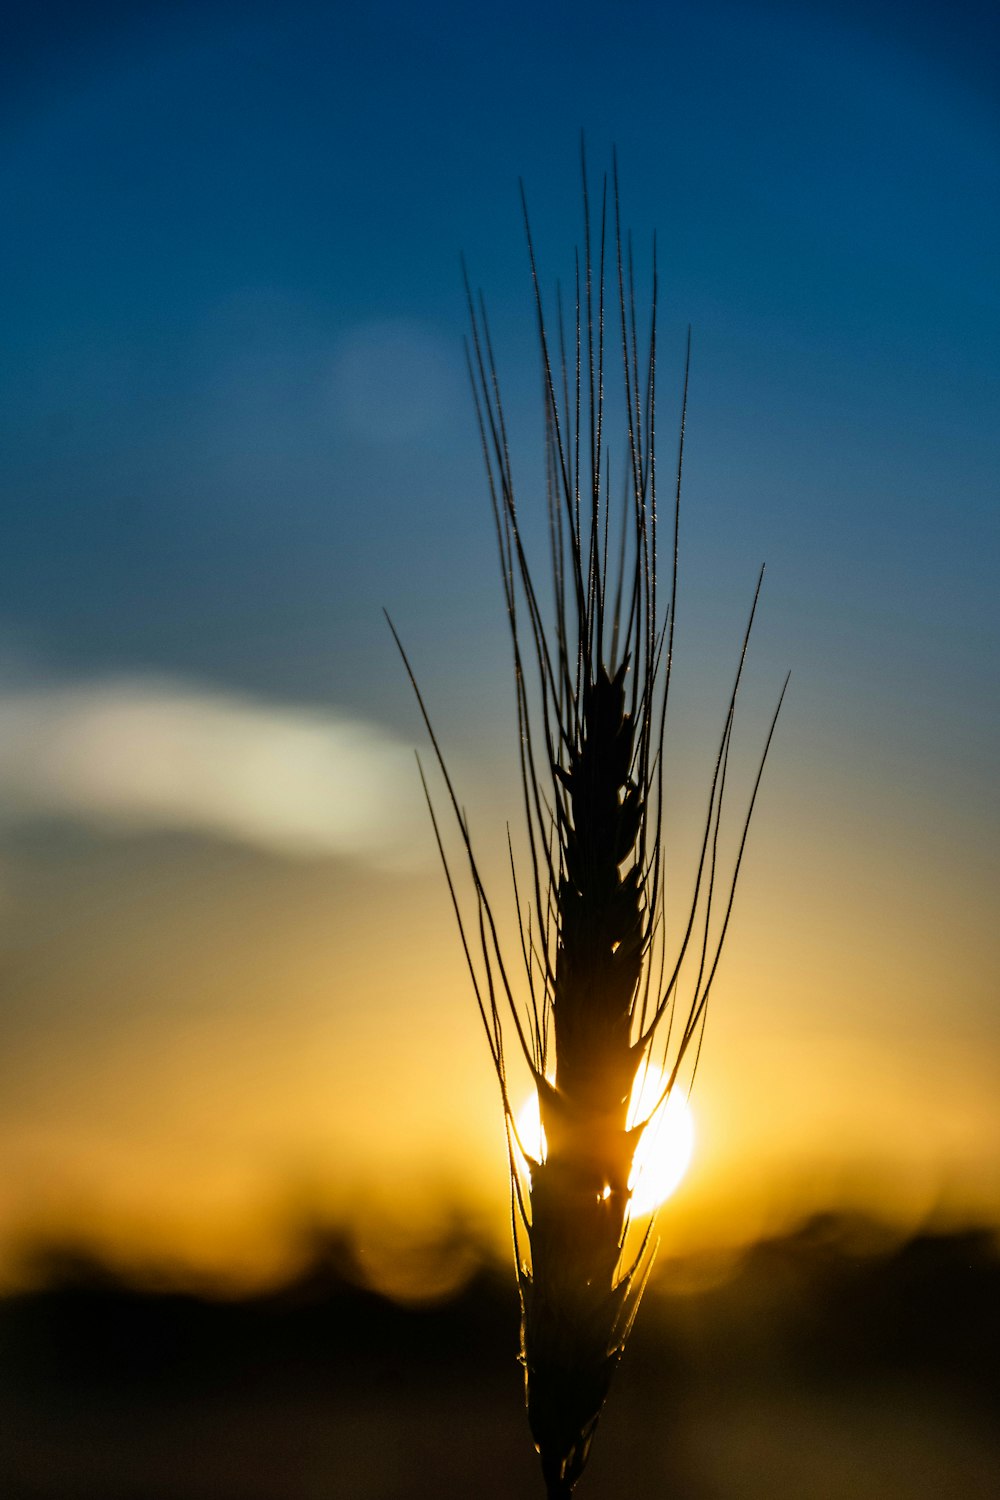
[307,1048]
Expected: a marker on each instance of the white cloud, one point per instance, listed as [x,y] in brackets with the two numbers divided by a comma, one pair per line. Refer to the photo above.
[135,754]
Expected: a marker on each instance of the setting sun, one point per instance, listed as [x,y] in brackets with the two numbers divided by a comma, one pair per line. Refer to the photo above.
[665,1148]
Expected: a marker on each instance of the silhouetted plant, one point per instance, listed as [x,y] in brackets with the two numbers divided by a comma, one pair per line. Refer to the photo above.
[599,994]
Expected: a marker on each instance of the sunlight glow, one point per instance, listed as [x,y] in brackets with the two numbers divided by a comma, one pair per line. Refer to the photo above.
[664,1151]
[667,1144]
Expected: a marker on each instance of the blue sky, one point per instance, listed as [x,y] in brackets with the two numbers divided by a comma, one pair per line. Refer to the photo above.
[204,202]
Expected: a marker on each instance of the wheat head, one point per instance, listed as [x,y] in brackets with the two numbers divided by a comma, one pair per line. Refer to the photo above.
[599,995]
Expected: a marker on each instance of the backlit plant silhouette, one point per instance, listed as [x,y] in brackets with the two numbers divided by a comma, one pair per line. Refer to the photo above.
[591,996]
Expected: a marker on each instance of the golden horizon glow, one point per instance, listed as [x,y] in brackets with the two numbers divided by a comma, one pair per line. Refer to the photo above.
[191,1084]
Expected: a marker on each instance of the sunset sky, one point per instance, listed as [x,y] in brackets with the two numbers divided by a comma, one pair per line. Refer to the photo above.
[236,424]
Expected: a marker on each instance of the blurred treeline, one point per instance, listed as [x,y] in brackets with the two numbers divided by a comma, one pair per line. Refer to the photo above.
[833,1363]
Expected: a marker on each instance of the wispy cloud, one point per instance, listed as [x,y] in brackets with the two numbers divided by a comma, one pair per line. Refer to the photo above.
[139,754]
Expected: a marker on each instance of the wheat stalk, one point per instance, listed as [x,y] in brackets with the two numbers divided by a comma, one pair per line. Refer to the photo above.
[601,995]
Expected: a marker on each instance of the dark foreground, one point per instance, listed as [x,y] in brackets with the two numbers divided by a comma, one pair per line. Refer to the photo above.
[815,1372]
